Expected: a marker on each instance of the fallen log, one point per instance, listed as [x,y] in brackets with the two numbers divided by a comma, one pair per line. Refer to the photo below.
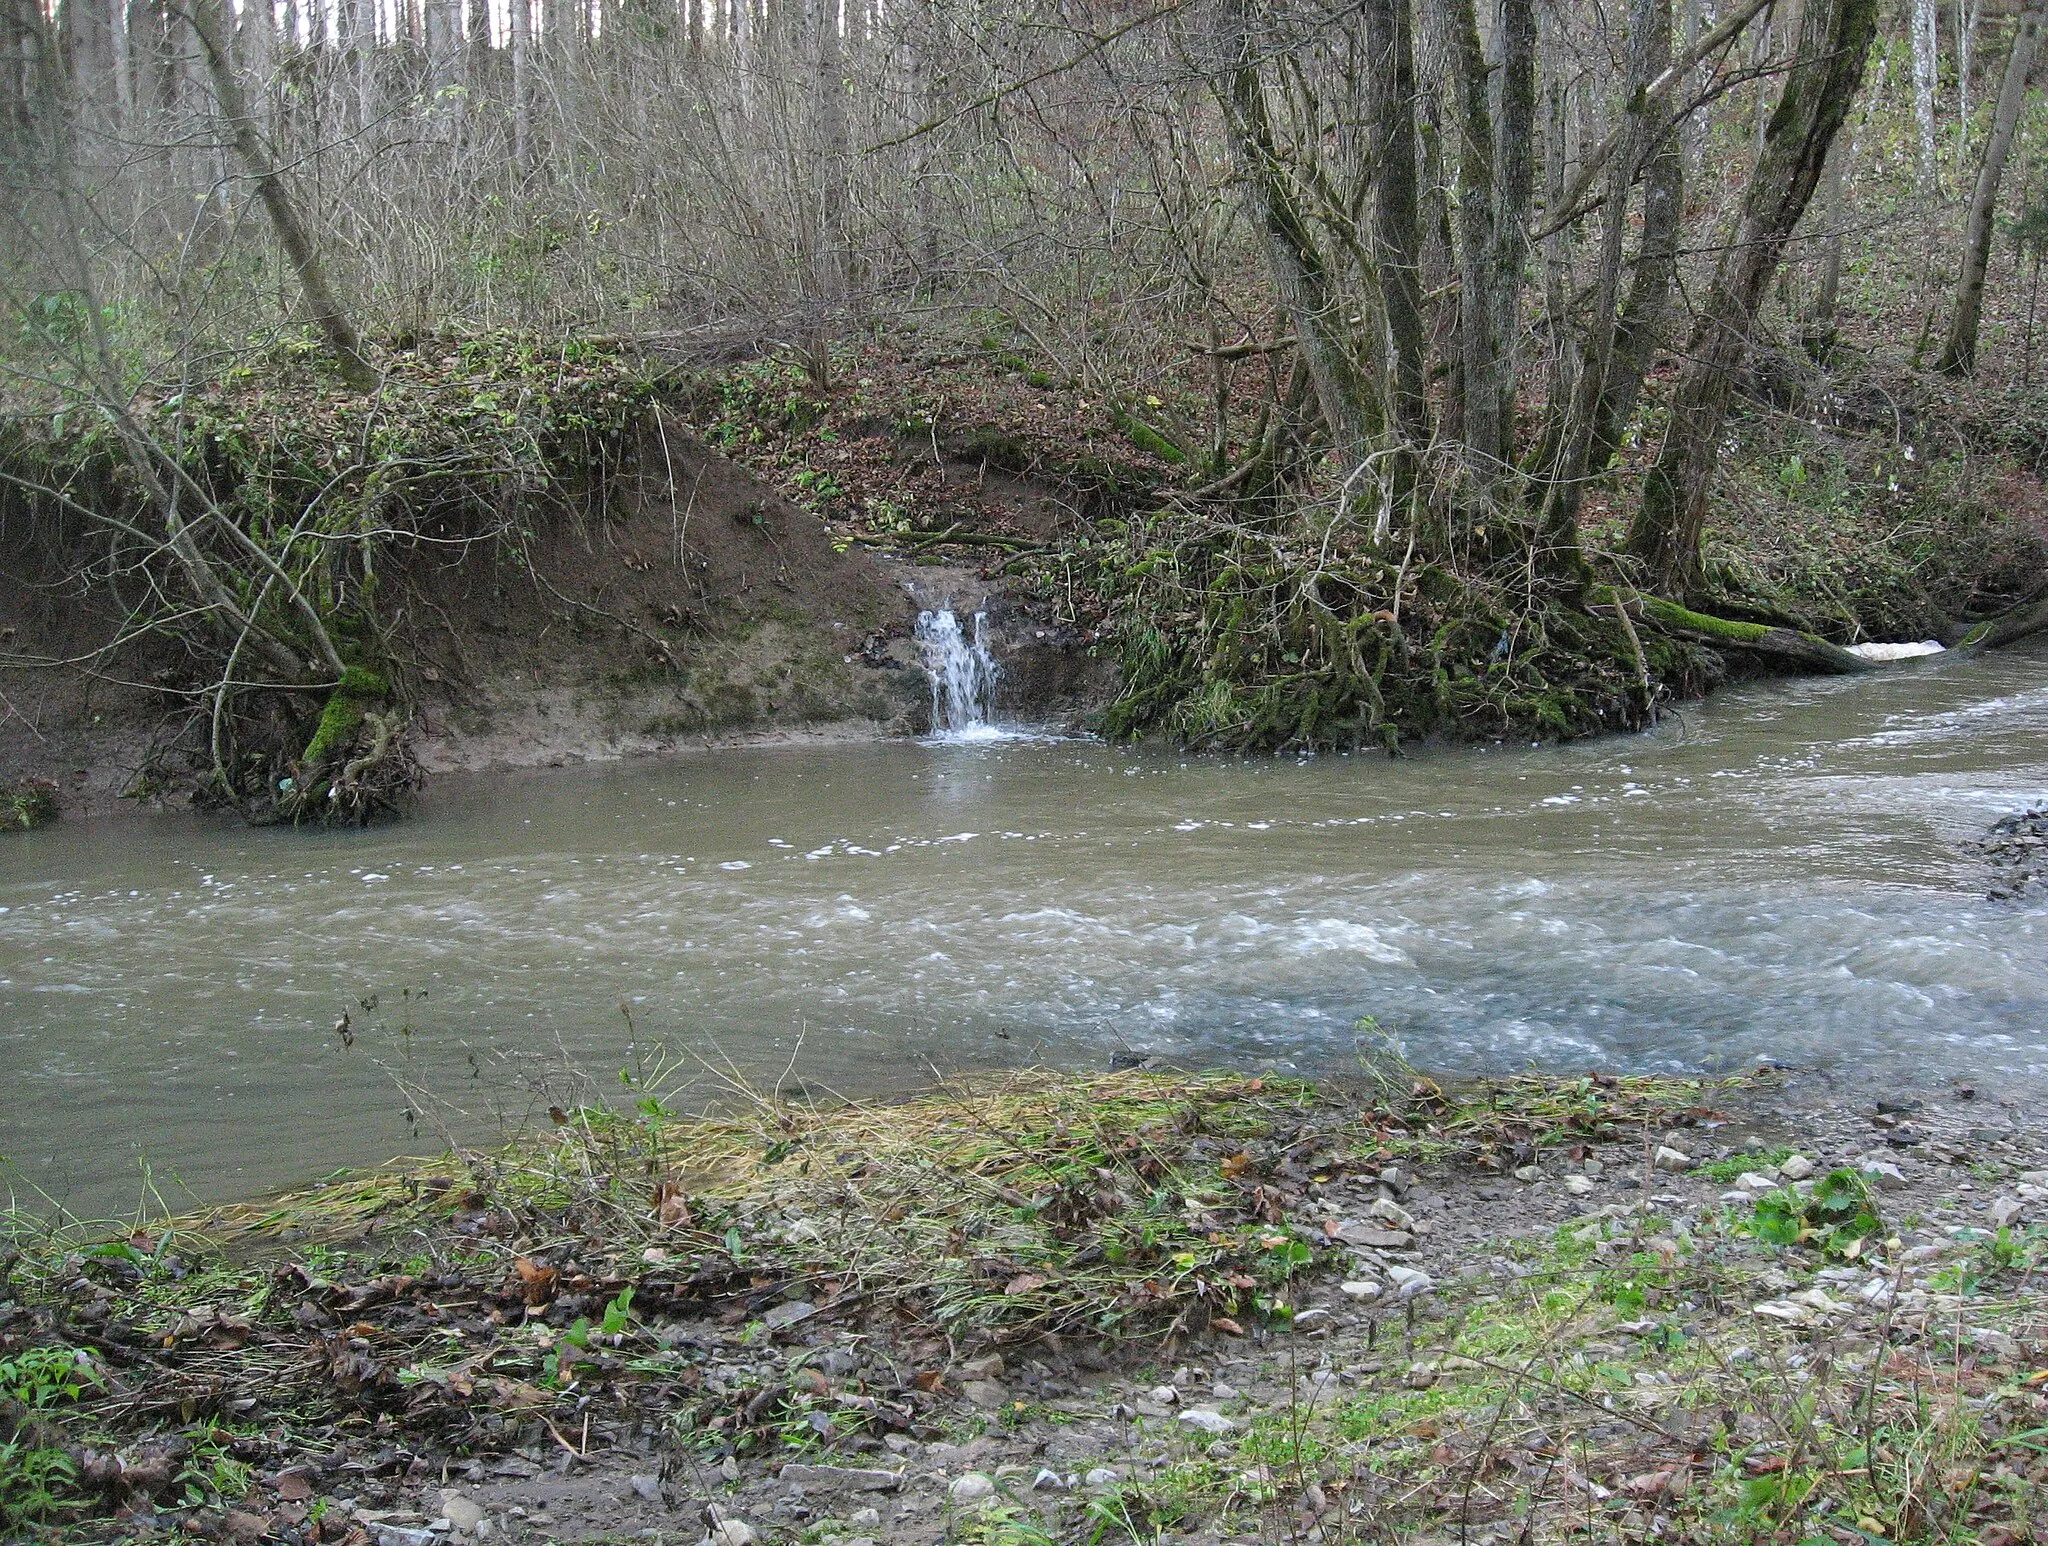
[1804,650]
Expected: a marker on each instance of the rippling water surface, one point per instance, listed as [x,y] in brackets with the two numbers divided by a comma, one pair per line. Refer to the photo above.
[1781,871]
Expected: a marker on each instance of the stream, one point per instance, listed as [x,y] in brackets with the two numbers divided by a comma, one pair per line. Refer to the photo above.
[1780,872]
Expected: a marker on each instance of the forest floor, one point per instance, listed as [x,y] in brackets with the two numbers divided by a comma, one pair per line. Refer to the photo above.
[1138,1307]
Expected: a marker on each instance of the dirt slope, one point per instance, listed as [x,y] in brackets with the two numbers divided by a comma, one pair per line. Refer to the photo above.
[691,604]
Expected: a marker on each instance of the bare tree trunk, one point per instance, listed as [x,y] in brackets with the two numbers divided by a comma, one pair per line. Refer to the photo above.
[1834,45]
[1819,331]
[1649,51]
[1967,12]
[1479,348]
[1925,63]
[521,30]
[1959,353]
[1640,331]
[1300,272]
[1397,215]
[209,21]
[1514,161]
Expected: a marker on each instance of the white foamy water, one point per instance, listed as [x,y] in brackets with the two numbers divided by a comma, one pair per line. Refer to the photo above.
[1781,872]
[963,675]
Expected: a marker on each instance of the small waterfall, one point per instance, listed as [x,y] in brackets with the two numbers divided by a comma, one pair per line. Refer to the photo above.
[963,674]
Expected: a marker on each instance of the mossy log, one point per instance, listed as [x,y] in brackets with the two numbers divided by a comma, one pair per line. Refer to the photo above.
[2007,628]
[1804,650]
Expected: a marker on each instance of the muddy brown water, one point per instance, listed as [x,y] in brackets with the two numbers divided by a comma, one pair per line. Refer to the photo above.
[1781,872]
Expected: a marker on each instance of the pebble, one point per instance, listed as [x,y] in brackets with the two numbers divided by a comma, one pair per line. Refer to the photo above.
[1162,1395]
[971,1488]
[1756,1181]
[1886,1176]
[1668,1158]
[1215,1424]
[865,1519]
[1361,1288]
[1578,1186]
[1529,1173]
[1387,1211]
[1223,1392]
[1048,1481]
[730,1532]
[1797,1168]
[2006,1210]
[465,1514]
[399,1535]
[645,1488]
[788,1313]
[986,1394]
[1409,1281]
[1101,1476]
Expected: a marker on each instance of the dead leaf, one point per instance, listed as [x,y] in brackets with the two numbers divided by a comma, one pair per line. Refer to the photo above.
[295,1487]
[930,1380]
[538,1281]
[516,1393]
[1024,1283]
[1225,1324]
[671,1206]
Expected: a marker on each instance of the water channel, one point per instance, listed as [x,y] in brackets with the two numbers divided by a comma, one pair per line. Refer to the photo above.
[1781,872]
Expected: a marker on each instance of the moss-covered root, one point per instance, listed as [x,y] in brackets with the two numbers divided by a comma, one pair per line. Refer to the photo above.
[1804,650]
[355,762]
[31,802]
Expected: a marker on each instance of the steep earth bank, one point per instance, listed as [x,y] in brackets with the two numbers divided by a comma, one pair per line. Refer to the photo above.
[688,603]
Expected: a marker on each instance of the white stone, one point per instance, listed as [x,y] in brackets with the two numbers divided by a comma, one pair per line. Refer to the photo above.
[1797,1168]
[730,1532]
[1884,1175]
[1529,1173]
[866,1519]
[1101,1476]
[1409,1281]
[463,1514]
[1668,1158]
[1047,1481]
[1756,1181]
[1578,1186]
[971,1488]
[1387,1211]
[1361,1288]
[1162,1395]
[2005,1210]
[1214,1424]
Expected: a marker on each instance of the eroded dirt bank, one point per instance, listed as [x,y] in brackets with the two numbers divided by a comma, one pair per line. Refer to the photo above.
[686,604]
[1062,1308]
